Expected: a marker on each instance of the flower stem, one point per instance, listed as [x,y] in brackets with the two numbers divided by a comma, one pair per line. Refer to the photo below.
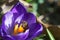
[50,34]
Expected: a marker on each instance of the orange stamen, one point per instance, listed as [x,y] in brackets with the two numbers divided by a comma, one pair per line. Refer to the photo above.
[15,29]
[20,29]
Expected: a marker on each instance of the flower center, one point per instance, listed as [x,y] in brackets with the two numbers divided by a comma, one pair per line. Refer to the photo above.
[21,28]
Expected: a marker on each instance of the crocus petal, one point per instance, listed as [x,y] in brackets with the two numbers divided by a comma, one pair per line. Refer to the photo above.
[7,37]
[22,36]
[35,30]
[7,21]
[2,32]
[18,19]
[29,18]
[18,9]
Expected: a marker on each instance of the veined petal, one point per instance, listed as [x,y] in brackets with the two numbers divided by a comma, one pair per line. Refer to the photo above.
[22,36]
[2,32]
[19,18]
[7,37]
[35,30]
[29,18]
[7,21]
[18,9]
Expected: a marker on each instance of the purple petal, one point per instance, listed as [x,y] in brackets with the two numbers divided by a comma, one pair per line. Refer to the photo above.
[19,18]
[35,30]
[22,36]
[18,9]
[7,21]
[29,18]
[2,32]
[7,37]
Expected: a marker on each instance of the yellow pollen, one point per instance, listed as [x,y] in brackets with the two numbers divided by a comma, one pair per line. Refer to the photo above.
[18,29]
[15,29]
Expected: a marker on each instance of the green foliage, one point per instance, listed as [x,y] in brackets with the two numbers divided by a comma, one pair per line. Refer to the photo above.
[28,0]
[41,1]
[41,37]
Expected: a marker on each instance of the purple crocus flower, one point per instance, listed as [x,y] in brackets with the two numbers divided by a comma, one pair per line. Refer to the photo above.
[18,24]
